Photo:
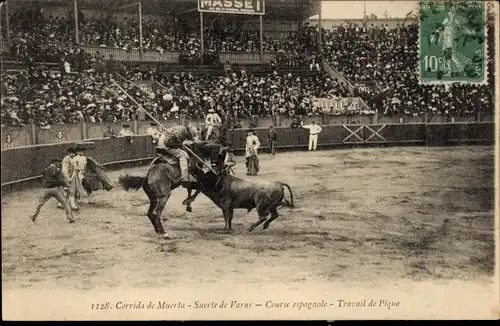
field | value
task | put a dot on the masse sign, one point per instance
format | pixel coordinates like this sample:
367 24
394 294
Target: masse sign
248 7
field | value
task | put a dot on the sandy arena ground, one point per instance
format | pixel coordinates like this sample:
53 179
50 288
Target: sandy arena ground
362 215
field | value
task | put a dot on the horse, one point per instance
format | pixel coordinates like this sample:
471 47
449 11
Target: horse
162 177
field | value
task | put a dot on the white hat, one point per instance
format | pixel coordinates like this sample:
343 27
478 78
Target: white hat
211 110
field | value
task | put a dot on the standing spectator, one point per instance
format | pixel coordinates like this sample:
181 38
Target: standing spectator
227 68
271 139
212 120
314 130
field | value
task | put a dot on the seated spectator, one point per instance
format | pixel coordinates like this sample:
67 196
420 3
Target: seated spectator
126 131
109 133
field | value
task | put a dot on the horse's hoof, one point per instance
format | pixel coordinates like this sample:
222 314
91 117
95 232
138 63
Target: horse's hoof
189 209
69 221
166 237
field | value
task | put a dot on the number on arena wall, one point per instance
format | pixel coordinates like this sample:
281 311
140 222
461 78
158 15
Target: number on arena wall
8 138
60 135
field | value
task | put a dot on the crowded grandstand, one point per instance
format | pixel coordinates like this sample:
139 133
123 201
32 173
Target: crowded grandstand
49 78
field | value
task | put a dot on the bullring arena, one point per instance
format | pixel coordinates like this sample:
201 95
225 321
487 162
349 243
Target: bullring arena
362 215
396 205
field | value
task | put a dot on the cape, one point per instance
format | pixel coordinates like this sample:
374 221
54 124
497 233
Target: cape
98 170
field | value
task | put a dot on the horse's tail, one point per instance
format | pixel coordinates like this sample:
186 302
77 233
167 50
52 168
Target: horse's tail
131 182
287 203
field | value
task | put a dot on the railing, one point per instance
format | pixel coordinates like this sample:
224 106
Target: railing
26 163
334 73
133 55
245 57
165 57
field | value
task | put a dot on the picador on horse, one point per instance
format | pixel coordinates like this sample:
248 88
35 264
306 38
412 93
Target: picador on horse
171 146
178 150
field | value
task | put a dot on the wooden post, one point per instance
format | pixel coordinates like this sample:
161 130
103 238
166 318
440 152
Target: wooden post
261 28
141 50
83 130
320 41
202 37
75 8
7 23
34 138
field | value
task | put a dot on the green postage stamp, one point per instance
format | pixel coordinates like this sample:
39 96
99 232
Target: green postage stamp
452 40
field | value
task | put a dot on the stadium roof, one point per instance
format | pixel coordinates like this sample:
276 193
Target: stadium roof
276 9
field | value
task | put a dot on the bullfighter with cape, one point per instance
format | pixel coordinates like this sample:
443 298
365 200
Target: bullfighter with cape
252 161
91 174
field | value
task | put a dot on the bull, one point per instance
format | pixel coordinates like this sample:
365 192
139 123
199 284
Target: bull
229 193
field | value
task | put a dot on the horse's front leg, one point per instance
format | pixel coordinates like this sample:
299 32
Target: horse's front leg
191 199
185 201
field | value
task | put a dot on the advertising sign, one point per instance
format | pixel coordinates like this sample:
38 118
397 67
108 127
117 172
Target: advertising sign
337 106
247 7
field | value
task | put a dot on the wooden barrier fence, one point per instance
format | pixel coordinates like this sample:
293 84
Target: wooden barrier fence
22 164
34 135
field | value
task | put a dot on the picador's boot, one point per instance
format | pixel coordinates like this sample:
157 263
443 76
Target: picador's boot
186 180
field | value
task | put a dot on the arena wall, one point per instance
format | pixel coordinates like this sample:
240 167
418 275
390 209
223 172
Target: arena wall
34 135
24 164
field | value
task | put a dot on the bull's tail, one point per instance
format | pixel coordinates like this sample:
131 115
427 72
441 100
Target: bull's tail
287 203
131 182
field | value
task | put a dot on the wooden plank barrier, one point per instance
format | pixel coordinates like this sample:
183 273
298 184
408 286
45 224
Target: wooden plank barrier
25 163
20 164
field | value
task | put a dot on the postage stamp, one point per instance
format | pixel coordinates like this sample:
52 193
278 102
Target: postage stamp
452 44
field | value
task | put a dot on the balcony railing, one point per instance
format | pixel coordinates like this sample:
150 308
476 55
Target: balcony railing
165 57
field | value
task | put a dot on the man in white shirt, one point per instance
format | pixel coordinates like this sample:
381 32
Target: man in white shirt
125 131
314 130
80 165
154 132
252 161
211 120
68 172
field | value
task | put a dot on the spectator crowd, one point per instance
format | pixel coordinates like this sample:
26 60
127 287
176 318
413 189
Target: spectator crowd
380 63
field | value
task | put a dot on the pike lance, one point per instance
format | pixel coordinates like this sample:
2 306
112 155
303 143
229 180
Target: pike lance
164 128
